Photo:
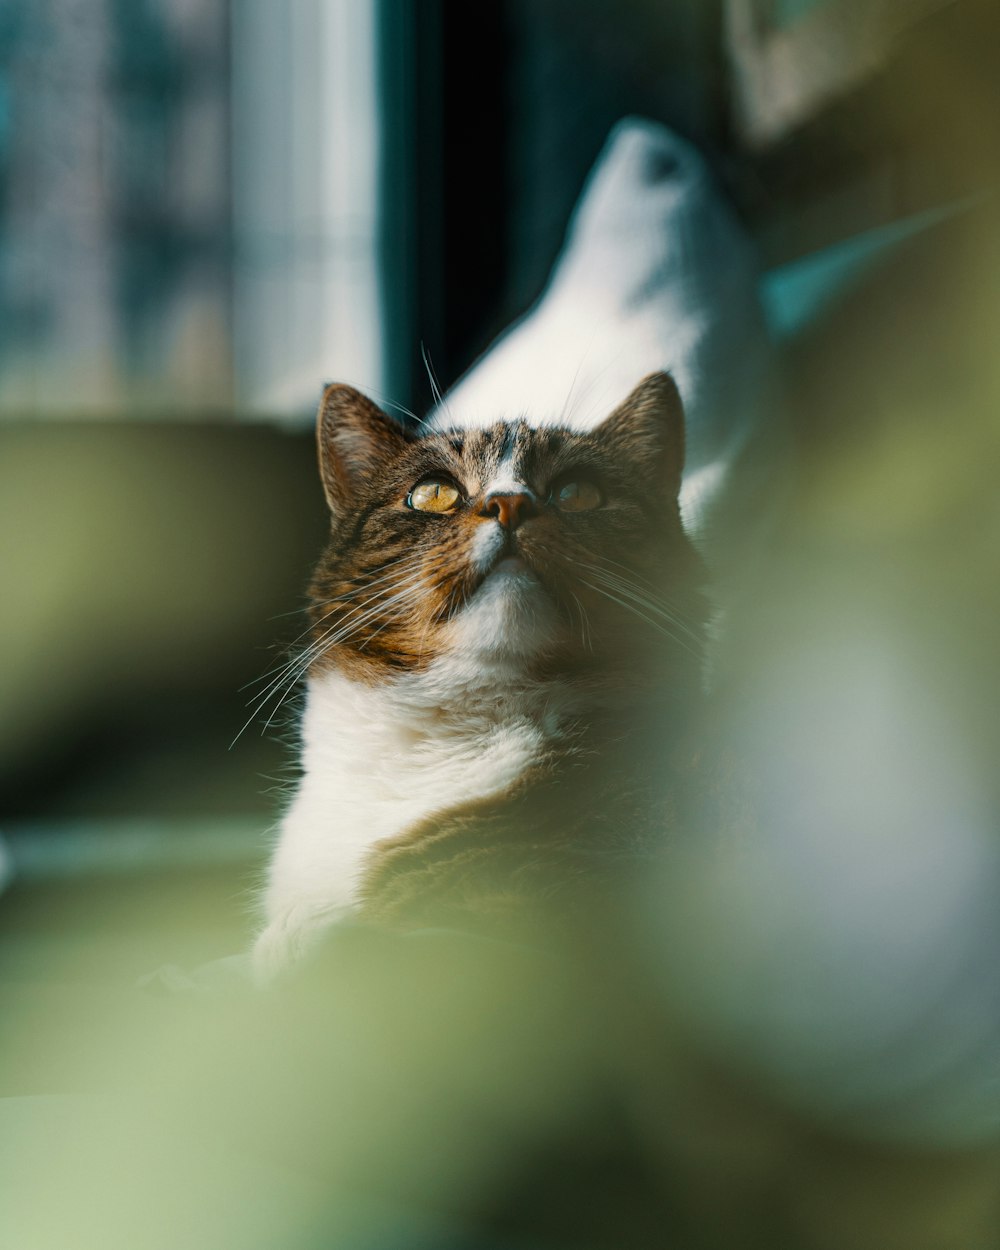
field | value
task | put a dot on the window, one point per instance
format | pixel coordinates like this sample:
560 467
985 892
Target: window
189 207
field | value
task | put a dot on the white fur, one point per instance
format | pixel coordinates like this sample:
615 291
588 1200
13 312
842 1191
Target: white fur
379 758
509 619
505 480
487 542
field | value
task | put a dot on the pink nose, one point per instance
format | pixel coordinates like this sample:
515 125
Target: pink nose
510 510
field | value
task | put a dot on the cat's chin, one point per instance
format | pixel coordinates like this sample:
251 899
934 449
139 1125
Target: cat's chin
510 614
511 565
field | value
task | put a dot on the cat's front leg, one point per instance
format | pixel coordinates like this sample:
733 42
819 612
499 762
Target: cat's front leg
291 932
309 887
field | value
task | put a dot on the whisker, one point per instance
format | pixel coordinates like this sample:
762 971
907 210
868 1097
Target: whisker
436 391
340 600
368 585
333 637
385 402
410 594
585 638
431 375
405 591
585 356
402 591
650 601
630 607
321 603
337 599
434 575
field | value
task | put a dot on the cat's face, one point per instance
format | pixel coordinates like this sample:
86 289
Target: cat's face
506 542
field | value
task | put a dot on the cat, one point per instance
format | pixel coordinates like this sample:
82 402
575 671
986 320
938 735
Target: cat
507 637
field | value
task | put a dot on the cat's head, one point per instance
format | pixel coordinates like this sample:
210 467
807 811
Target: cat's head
509 542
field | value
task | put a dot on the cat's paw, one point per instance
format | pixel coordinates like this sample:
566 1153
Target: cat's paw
285 942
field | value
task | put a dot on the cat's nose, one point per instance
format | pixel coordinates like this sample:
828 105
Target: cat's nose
510 509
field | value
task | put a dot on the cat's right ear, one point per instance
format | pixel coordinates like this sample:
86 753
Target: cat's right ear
354 438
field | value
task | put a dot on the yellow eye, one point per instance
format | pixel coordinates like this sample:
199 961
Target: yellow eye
579 496
433 495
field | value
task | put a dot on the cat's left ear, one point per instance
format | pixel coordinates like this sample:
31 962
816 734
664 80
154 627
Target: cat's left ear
354 439
648 428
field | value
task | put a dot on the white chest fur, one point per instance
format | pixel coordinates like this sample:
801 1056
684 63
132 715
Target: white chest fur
377 759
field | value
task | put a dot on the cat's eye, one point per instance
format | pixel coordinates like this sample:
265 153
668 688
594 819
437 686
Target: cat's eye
578 496
434 494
